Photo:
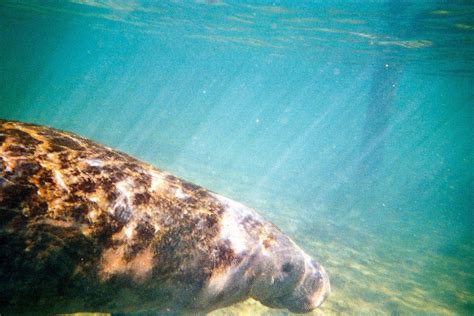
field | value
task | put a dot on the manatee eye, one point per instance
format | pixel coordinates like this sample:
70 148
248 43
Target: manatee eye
287 267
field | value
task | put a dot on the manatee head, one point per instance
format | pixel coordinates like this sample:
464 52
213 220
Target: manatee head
272 269
288 278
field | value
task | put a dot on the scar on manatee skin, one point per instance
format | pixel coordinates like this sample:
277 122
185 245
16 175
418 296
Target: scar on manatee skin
122 213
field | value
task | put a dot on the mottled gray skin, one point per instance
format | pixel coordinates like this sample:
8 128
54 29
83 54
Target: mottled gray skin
87 228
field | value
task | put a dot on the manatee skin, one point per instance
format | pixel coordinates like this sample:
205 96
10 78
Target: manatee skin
84 228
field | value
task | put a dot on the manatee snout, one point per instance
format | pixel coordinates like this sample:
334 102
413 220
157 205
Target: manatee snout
311 292
290 279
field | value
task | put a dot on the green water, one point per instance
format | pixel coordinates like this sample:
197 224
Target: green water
349 125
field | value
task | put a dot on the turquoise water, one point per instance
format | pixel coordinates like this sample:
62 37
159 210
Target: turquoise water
349 125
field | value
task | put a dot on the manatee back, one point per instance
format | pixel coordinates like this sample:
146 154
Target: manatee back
82 222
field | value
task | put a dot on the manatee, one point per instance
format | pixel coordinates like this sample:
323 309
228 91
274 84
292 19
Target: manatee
84 228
